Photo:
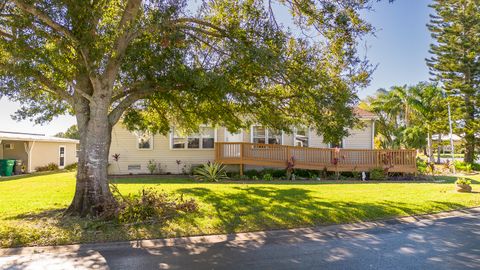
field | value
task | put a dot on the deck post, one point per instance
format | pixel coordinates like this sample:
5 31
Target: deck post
241 158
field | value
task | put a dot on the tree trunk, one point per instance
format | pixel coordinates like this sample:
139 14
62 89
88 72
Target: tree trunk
429 147
92 195
439 147
469 148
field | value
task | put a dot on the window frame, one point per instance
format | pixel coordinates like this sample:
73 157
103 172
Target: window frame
172 137
137 136
309 131
267 133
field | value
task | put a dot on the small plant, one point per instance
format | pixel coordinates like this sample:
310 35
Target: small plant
377 174
463 181
267 177
49 167
152 166
255 178
211 172
463 185
71 167
178 165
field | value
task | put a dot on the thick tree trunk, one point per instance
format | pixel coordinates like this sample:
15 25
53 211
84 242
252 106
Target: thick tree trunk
92 195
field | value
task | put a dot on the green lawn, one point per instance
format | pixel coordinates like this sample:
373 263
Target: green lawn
31 207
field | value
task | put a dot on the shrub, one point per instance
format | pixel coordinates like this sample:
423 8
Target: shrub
149 206
466 167
421 165
211 172
251 173
49 167
71 167
267 177
463 181
274 173
377 174
152 166
255 178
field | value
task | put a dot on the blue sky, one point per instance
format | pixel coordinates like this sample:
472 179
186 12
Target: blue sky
399 47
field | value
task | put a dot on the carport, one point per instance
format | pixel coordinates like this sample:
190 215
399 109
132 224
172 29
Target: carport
36 150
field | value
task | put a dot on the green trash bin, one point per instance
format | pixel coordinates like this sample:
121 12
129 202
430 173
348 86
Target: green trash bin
6 167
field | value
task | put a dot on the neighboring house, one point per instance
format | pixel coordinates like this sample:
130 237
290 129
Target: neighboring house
136 149
37 150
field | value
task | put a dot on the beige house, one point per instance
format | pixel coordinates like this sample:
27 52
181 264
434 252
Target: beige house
37 150
175 152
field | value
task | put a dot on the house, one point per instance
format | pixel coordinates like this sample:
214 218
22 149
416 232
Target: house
35 150
176 153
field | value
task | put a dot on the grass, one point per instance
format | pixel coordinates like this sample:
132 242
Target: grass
31 207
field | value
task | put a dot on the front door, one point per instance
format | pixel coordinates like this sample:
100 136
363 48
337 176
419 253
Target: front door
61 162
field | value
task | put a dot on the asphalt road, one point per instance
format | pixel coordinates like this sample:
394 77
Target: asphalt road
440 243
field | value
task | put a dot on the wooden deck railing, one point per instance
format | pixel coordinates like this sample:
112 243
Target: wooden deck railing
332 159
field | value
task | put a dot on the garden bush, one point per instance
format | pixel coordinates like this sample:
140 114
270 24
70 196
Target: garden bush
71 167
49 167
378 174
267 177
466 167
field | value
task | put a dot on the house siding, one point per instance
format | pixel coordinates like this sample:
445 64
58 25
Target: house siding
124 143
360 138
44 153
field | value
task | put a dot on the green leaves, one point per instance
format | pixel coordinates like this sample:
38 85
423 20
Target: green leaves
176 63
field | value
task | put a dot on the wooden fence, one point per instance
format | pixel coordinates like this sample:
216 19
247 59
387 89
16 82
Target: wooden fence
331 159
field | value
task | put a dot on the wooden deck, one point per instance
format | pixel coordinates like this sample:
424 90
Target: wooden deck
342 160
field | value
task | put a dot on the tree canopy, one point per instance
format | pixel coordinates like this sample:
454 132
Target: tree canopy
455 63
164 63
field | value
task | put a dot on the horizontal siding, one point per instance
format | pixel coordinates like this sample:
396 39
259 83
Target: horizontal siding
125 143
44 153
360 138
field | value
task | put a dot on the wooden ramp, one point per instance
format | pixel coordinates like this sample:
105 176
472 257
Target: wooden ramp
332 159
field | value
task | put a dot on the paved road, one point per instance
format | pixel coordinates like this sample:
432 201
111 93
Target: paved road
441 243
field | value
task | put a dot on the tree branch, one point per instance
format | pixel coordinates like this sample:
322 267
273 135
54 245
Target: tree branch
122 42
117 112
46 20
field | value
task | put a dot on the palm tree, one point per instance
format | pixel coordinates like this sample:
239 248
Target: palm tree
429 108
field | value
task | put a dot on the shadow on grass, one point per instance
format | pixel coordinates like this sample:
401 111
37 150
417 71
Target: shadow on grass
452 179
263 208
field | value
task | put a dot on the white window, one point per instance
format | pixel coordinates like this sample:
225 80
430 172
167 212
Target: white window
301 137
258 134
205 139
261 134
144 140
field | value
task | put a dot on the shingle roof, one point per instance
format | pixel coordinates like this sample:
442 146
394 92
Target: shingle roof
364 113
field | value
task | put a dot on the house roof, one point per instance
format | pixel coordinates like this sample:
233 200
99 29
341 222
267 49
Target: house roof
19 136
364 113
455 137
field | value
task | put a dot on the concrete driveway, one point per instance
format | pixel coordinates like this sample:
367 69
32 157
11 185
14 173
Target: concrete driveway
445 241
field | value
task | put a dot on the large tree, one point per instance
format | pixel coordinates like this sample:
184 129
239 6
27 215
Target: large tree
455 63
161 63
